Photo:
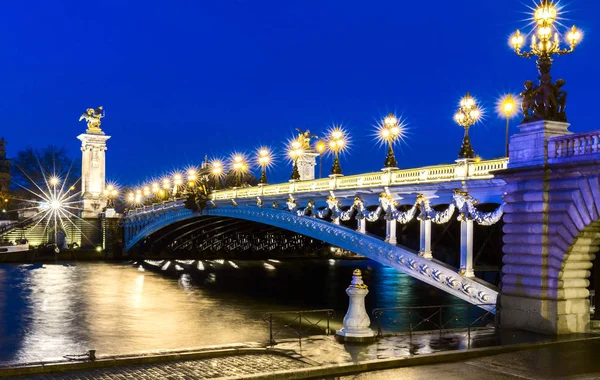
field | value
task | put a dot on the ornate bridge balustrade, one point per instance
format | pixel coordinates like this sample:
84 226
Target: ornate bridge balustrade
463 170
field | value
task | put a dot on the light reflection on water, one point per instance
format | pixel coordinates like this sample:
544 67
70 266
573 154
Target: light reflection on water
55 310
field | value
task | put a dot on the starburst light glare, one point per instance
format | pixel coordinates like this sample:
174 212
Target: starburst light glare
336 143
216 170
240 167
264 160
468 114
389 131
507 107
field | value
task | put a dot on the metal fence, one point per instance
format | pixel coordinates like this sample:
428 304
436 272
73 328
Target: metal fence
298 324
433 318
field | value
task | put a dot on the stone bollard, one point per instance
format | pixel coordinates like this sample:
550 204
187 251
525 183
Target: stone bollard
356 322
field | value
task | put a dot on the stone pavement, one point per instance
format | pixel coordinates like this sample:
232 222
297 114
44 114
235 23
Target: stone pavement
570 360
226 366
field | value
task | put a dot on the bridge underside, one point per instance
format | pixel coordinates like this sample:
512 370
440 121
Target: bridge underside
181 229
210 236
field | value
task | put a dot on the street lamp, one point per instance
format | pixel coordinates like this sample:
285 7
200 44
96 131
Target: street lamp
336 142
240 167
110 192
390 130
177 182
155 189
166 185
467 115
216 170
295 152
192 177
545 101
320 148
507 107
264 160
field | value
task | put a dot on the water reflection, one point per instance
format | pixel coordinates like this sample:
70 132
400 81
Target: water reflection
54 310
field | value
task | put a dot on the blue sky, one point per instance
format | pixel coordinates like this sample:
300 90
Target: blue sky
182 79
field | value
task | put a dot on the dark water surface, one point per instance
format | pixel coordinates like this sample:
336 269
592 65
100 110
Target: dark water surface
54 310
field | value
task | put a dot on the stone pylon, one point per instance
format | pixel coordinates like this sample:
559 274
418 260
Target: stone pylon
357 322
93 172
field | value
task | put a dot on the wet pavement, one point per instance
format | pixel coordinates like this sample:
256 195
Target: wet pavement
570 360
325 350
228 366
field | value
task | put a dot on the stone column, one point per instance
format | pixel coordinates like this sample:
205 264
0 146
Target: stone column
425 239
306 165
466 248
356 322
361 225
390 231
93 176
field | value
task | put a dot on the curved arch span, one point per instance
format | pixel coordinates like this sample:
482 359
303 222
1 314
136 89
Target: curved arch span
407 261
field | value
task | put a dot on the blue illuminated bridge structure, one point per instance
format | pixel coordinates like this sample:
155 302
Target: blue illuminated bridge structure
534 215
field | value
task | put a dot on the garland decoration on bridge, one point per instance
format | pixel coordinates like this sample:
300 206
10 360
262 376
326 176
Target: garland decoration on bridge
428 213
388 204
467 210
461 201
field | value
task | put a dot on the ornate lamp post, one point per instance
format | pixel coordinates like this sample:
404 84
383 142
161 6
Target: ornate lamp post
264 160
240 167
508 108
155 190
295 152
216 170
166 185
138 196
320 148
110 192
390 131
177 182
467 115
546 101
192 177
336 143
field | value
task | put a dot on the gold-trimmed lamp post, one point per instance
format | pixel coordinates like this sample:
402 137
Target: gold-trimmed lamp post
320 147
166 185
264 160
192 177
216 170
508 108
240 167
295 152
155 190
110 192
177 182
468 114
390 131
546 101
336 143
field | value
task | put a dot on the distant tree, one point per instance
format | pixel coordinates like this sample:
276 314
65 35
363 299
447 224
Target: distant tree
32 168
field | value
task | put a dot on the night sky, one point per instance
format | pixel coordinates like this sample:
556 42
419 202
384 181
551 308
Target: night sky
181 79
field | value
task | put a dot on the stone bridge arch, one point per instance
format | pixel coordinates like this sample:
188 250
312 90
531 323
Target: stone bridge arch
552 235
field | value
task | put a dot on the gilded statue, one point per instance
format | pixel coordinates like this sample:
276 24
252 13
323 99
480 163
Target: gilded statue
304 137
92 117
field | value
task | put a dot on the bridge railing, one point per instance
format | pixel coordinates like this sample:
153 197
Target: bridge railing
298 324
573 146
442 318
439 173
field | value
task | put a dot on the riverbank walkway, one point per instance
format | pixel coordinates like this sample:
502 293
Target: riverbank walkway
453 355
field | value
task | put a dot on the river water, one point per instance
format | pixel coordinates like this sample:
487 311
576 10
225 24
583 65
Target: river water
62 309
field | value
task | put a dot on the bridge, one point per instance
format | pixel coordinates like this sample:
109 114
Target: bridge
547 193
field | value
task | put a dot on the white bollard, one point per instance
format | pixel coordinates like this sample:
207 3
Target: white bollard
357 322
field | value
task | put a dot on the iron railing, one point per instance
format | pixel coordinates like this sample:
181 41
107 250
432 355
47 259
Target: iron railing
437 318
298 324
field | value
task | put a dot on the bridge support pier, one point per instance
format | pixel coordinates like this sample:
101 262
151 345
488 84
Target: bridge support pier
425 239
466 248
551 231
390 231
